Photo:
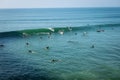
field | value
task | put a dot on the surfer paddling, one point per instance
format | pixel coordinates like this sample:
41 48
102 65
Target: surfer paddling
47 48
2 45
100 30
75 33
40 37
27 43
92 46
30 51
54 60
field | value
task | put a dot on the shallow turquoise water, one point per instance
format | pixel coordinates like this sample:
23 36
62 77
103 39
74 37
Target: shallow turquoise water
72 52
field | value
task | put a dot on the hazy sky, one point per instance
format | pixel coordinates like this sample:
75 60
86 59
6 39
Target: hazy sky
58 3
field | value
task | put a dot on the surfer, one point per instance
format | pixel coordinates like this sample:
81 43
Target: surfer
40 37
49 37
61 32
25 34
100 30
84 33
30 51
27 43
92 46
69 28
47 48
54 60
75 33
50 33
2 45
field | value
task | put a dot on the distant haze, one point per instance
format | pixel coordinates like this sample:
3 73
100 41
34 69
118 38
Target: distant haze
58 3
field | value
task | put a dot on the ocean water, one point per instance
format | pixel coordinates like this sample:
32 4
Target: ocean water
19 19
60 44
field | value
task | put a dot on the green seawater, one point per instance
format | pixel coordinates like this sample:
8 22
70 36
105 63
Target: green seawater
78 54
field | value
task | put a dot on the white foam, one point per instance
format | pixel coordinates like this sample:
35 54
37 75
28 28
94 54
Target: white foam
51 29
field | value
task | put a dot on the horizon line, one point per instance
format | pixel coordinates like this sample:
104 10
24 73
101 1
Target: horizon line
59 7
